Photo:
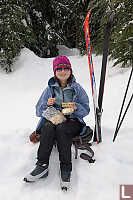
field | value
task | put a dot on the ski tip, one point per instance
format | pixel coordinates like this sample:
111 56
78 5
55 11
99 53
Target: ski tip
88 14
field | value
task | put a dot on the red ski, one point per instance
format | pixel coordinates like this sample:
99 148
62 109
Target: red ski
97 132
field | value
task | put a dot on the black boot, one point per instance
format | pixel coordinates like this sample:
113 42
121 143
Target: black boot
65 176
40 171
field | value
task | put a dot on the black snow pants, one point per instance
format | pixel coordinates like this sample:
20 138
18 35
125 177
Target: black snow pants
62 134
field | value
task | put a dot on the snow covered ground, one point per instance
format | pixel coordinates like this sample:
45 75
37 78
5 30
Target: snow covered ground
19 93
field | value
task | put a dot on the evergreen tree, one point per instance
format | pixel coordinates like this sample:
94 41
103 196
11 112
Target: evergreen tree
61 22
121 45
69 22
122 36
41 15
14 31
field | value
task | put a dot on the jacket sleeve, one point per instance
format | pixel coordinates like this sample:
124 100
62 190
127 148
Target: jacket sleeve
81 103
42 103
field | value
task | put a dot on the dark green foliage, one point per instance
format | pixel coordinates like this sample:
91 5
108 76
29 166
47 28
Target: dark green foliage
41 16
62 22
122 36
14 31
121 44
40 25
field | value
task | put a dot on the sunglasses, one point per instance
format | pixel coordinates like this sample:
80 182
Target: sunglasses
61 69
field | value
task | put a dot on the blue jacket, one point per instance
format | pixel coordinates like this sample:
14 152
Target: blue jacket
80 98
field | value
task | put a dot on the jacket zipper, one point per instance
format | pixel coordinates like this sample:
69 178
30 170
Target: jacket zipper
62 94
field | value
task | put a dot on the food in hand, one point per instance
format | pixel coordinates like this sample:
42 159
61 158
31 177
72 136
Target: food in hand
67 111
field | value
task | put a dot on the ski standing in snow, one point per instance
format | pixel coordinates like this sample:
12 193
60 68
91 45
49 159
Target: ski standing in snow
98 99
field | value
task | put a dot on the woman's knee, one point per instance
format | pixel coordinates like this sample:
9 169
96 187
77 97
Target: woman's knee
61 128
63 132
48 128
47 124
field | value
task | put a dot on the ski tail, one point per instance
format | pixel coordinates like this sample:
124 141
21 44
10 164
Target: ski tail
92 76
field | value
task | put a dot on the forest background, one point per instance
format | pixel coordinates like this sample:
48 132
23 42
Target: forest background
43 25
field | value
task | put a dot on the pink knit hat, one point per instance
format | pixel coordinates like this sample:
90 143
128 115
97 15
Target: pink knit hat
61 62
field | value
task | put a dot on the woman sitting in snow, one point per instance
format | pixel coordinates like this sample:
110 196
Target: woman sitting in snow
63 104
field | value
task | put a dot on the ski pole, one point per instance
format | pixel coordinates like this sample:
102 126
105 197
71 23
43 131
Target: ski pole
125 113
120 122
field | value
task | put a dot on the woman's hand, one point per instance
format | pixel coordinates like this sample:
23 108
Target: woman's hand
73 106
51 101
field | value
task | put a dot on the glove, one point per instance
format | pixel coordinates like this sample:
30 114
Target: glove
34 137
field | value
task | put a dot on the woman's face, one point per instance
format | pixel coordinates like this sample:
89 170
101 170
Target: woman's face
63 74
